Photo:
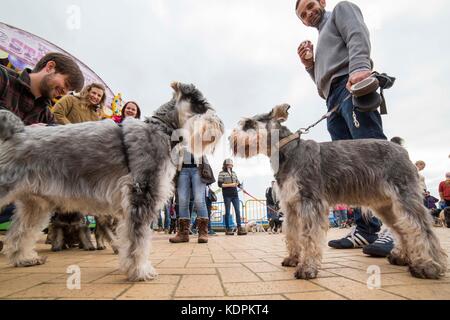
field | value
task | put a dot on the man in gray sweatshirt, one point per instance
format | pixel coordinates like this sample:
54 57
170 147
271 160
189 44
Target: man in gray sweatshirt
342 58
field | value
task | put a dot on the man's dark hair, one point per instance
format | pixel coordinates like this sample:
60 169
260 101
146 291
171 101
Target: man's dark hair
64 65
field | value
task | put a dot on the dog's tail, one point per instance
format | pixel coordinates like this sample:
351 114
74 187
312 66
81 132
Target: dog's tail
10 124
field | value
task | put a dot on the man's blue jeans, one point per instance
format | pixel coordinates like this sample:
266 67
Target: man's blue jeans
341 123
189 179
236 204
7 213
341 127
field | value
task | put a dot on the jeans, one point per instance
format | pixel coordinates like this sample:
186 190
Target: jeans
189 179
166 216
341 127
7 213
208 207
340 124
341 216
237 210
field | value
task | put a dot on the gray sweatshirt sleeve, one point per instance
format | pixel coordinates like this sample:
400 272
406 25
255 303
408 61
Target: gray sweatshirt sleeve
350 24
311 72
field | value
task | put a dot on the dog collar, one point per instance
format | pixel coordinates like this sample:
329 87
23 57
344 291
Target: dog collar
287 140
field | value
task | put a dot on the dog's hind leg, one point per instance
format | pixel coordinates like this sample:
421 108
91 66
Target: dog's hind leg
313 225
418 246
31 216
135 240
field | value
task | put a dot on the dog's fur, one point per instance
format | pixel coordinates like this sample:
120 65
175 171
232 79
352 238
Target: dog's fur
314 176
69 230
105 229
83 167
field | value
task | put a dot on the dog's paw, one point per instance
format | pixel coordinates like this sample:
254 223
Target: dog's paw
101 247
56 249
289 262
306 272
427 270
143 274
31 262
398 260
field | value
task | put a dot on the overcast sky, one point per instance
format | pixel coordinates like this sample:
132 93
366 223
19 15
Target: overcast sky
242 55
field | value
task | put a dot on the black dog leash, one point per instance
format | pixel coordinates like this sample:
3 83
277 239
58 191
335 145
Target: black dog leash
301 131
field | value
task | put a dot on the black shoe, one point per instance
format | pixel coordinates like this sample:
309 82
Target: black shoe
1 246
229 232
355 239
382 247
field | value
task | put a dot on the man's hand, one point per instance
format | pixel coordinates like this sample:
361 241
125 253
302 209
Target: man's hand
303 49
358 77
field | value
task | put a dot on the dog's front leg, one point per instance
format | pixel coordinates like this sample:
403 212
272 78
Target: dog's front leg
313 225
85 238
58 240
291 236
31 216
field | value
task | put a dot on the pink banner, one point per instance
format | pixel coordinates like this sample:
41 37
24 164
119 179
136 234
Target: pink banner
26 49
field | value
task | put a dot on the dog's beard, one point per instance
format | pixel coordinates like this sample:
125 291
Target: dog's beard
204 133
250 143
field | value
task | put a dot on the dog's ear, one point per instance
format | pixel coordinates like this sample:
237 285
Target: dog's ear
280 112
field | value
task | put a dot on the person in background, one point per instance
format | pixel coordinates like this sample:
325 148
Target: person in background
342 59
130 109
444 190
420 165
83 107
189 182
229 183
29 94
210 198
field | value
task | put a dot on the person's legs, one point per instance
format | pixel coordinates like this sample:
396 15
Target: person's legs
199 187
227 203
166 216
337 217
370 124
7 213
237 210
368 225
184 195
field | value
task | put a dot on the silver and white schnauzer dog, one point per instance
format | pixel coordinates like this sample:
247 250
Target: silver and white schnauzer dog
314 176
101 168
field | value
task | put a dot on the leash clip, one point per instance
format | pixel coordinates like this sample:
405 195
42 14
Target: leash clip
355 120
303 131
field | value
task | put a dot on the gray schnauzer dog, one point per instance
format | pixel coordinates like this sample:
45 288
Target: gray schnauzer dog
100 167
67 230
314 176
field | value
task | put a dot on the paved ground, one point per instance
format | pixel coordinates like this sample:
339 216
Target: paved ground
247 267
